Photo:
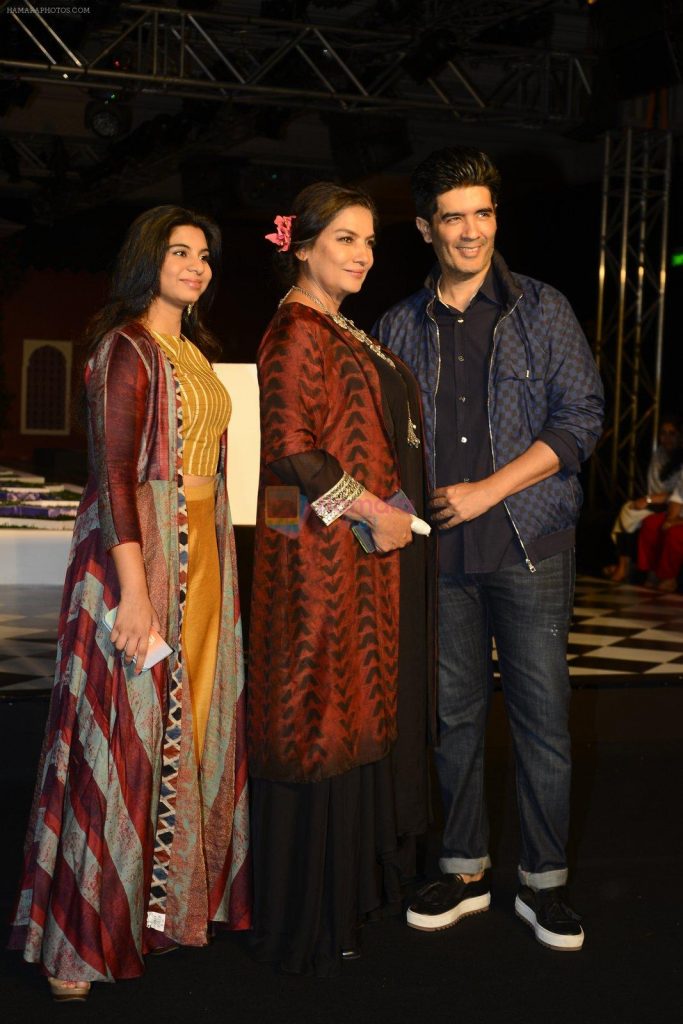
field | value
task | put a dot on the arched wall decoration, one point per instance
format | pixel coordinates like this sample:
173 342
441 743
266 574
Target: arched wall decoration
46 387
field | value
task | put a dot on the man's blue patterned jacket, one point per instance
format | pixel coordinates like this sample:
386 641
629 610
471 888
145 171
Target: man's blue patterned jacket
542 378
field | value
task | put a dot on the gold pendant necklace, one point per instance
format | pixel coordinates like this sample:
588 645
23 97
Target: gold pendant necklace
348 325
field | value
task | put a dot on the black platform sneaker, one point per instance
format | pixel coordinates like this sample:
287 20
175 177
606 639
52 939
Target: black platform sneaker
441 904
554 922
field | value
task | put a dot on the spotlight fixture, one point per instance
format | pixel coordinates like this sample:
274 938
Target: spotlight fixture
107 118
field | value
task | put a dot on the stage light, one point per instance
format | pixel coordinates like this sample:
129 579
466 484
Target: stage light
107 118
677 259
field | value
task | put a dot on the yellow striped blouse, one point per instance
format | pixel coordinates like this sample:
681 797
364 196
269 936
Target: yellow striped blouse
205 403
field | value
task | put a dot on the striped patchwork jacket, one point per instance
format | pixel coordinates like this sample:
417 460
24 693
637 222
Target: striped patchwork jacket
542 377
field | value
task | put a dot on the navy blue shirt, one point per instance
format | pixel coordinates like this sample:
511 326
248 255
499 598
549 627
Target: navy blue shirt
463 448
463 444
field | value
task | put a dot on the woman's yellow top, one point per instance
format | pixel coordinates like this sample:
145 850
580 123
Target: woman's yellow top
205 403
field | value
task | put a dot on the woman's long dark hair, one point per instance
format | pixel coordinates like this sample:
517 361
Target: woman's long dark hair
135 278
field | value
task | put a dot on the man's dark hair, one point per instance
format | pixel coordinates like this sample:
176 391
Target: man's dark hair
455 167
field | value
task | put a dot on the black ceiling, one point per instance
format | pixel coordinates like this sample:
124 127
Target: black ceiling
134 100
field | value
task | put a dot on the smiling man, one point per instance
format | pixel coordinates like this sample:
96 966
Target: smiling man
512 405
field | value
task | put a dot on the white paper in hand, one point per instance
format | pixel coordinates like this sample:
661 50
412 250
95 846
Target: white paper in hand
157 650
418 525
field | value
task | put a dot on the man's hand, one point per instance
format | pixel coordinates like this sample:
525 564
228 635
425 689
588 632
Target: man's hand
458 503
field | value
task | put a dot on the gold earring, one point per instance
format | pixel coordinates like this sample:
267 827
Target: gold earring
190 307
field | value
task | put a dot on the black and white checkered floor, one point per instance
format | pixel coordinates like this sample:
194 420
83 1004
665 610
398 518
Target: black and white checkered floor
621 636
625 635
28 639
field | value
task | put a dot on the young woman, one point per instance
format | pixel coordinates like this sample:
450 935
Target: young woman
338 650
138 834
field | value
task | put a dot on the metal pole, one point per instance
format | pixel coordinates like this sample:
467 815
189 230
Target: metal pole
623 276
663 250
600 312
600 315
644 184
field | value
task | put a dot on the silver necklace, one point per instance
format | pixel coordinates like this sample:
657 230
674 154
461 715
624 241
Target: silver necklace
348 325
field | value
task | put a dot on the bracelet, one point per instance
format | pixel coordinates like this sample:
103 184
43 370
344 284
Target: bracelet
334 503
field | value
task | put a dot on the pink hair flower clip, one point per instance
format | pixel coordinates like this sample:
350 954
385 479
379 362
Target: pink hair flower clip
282 237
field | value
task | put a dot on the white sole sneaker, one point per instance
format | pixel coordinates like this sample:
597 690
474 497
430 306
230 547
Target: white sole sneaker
552 940
437 922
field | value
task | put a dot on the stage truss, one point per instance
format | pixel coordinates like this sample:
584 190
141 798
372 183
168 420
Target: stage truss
630 315
445 69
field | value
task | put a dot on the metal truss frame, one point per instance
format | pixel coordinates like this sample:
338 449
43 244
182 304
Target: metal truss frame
630 314
243 59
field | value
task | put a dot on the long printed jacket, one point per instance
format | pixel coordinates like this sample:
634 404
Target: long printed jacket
123 823
542 375
323 652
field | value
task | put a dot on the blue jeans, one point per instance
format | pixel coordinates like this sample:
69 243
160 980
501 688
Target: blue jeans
528 614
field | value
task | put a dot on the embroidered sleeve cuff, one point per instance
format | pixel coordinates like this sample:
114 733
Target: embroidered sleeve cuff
334 503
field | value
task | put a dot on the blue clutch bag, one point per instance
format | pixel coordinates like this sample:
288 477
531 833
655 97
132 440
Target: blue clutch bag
362 531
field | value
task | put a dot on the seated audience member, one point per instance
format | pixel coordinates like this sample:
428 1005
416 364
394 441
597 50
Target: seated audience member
664 473
660 545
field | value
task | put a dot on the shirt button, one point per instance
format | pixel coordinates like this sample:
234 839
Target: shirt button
461 359
461 398
465 479
464 440
460 320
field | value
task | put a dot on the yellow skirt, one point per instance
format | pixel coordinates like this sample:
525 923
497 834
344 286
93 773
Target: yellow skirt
201 621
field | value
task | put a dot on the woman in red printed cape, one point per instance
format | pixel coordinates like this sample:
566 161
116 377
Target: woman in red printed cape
338 646
138 836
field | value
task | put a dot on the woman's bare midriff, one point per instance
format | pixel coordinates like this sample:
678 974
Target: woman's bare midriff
190 480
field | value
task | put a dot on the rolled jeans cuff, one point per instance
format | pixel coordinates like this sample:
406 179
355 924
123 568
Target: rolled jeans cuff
463 865
543 879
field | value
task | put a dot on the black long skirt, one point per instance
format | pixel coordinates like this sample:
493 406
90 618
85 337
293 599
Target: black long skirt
329 855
